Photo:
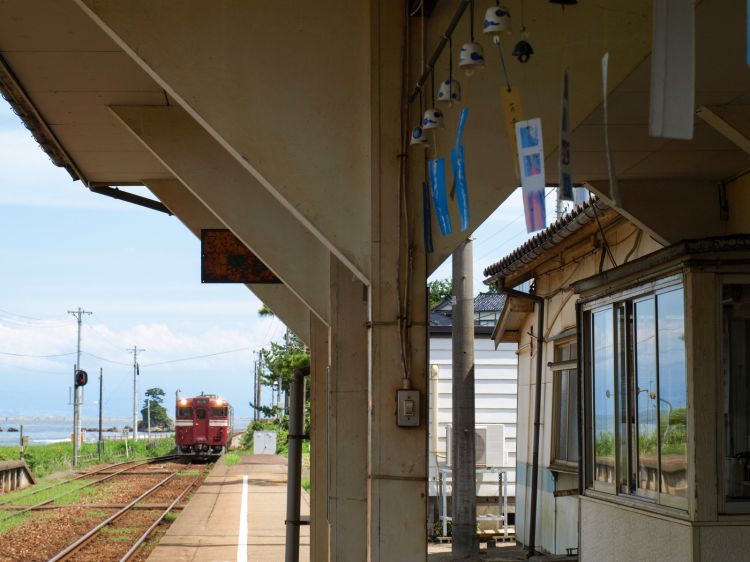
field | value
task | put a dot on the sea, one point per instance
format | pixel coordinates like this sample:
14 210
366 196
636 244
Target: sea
43 430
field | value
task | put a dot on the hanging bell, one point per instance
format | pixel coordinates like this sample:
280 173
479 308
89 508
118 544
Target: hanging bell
433 119
450 90
471 57
523 51
496 21
418 136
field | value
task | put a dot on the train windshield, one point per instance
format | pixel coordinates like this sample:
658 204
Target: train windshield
201 414
186 412
219 412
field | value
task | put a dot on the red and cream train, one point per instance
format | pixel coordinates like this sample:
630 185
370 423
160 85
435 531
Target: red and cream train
203 425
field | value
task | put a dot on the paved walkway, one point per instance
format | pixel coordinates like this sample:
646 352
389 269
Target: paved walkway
217 525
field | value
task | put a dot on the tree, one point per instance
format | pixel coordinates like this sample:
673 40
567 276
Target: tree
437 290
265 311
159 416
277 368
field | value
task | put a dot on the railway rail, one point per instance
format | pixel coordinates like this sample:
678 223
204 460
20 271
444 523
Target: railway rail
108 476
75 547
120 522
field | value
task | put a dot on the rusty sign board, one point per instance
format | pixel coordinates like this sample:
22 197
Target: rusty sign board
225 259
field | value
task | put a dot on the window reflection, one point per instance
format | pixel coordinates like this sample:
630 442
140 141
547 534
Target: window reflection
604 397
646 411
672 393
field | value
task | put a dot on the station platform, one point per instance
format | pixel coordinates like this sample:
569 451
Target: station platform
237 514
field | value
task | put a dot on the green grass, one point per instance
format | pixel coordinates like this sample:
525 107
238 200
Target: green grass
118 534
71 489
306 483
190 472
54 457
96 514
170 517
12 522
231 458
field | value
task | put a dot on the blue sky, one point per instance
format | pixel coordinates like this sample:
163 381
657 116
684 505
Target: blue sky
138 271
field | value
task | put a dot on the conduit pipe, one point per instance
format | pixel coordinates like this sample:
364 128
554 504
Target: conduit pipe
435 375
539 301
294 467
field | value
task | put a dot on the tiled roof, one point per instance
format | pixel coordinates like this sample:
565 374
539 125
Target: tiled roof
484 302
555 233
489 302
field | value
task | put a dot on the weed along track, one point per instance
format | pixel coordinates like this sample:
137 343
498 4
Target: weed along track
117 515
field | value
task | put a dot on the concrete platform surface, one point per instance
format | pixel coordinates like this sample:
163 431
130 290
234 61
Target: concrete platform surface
218 526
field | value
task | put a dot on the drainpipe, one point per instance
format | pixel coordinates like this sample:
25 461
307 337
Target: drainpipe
537 408
294 467
435 372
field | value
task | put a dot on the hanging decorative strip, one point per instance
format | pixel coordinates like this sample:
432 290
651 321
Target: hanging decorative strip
531 163
458 163
427 218
672 106
436 171
566 180
614 191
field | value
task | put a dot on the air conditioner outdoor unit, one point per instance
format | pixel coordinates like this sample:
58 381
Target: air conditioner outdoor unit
489 445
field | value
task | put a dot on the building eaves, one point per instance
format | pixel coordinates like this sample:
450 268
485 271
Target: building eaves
547 239
12 91
489 302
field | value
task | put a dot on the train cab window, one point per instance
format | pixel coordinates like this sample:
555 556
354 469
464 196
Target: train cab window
201 414
220 412
186 412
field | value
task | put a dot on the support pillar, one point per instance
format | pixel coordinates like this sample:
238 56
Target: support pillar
398 336
319 360
347 417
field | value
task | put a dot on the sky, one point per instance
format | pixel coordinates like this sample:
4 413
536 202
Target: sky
138 272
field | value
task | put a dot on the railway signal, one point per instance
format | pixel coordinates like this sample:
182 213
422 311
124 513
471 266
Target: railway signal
81 378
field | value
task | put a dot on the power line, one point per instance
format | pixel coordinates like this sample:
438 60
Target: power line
37 356
200 356
105 359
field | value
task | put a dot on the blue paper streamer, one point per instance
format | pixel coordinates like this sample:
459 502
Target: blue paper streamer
436 170
458 163
427 218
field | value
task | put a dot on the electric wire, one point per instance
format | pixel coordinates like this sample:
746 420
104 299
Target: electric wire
227 352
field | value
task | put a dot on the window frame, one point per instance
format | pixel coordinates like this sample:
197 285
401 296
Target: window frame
726 507
556 367
619 301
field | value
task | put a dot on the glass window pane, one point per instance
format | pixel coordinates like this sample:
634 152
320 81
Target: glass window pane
604 396
672 392
646 411
573 416
200 414
736 351
562 416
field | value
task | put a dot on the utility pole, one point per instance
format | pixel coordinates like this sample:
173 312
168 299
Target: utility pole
77 390
255 388
148 417
136 370
463 459
101 394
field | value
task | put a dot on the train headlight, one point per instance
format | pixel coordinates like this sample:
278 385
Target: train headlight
219 402
183 402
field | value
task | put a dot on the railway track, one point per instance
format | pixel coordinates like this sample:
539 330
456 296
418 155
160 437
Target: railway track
121 521
81 543
108 476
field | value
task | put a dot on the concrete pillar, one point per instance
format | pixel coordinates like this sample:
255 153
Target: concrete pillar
398 455
347 417
319 360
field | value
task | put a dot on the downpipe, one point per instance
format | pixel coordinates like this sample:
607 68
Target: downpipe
294 466
539 301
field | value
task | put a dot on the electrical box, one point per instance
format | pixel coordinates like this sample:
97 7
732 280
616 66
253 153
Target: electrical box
407 413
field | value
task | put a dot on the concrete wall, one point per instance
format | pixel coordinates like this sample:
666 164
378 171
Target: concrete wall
495 389
614 533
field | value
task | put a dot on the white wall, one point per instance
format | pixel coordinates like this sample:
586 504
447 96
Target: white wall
496 400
